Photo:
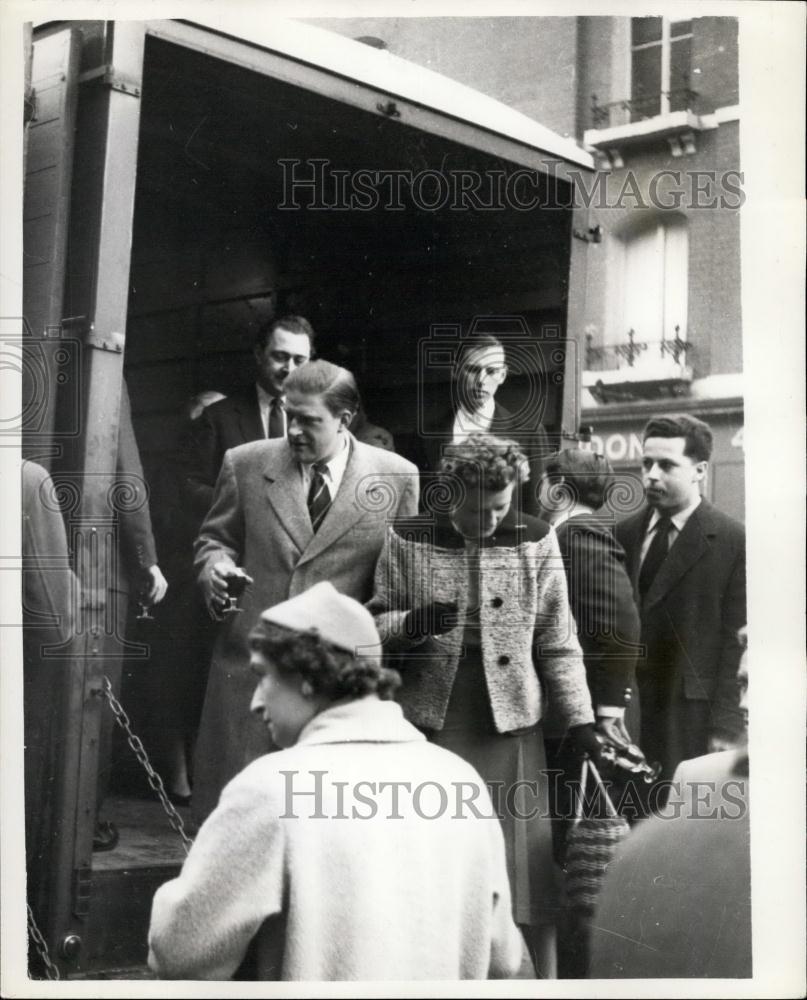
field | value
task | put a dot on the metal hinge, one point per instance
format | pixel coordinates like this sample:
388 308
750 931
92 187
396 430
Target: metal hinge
82 890
108 76
29 108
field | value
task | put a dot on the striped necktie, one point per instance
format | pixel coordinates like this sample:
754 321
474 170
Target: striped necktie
319 497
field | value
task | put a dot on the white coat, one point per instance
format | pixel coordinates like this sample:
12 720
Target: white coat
371 882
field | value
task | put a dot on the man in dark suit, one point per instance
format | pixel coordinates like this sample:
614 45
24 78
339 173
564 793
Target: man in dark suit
288 513
687 563
480 371
251 414
572 491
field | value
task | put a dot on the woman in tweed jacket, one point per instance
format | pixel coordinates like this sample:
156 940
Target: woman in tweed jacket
473 610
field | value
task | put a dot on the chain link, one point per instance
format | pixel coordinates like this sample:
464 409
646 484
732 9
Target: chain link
139 751
41 945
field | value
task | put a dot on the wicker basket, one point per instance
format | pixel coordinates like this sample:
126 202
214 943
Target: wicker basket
590 846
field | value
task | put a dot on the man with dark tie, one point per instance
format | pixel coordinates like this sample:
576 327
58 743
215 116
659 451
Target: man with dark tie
687 564
252 414
288 513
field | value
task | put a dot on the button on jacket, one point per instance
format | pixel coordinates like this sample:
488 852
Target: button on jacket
529 648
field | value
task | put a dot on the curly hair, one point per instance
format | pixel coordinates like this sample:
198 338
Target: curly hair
331 671
485 461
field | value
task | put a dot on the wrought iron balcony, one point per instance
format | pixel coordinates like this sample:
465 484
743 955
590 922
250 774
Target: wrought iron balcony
642 107
643 356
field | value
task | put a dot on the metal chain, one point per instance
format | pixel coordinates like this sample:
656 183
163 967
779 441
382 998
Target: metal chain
41 945
139 751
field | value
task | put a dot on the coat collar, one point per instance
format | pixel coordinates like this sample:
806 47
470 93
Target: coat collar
351 503
361 720
444 425
248 410
514 530
691 545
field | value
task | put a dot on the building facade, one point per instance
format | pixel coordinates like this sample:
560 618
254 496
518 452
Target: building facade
657 100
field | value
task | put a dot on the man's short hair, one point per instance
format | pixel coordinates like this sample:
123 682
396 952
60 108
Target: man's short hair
697 434
330 670
478 342
336 385
294 324
485 461
588 473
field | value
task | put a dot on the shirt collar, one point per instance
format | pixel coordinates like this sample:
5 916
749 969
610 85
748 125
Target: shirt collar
335 467
265 398
478 420
678 520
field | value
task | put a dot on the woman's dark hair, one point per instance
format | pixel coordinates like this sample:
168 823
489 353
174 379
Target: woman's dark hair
485 461
331 671
588 474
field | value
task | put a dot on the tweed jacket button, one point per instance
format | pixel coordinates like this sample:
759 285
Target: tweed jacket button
503 661
497 602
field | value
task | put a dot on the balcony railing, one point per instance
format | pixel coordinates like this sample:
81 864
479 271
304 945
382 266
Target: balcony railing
642 107
640 357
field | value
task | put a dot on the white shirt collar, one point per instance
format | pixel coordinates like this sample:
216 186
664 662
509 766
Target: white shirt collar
678 520
265 405
466 423
334 469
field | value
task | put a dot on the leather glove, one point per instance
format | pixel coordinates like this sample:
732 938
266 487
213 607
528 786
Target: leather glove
612 732
585 742
436 618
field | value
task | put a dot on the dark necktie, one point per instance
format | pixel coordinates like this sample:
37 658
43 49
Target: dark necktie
319 497
656 554
276 428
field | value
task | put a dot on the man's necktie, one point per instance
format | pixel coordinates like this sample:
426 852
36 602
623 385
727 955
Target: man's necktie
656 555
319 497
276 425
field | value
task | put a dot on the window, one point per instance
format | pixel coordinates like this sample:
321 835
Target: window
661 51
655 284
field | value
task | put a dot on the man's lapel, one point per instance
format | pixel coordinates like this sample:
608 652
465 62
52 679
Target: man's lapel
501 424
249 416
690 546
285 493
348 506
631 535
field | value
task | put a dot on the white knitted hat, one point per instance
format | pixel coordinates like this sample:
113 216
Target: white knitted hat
338 619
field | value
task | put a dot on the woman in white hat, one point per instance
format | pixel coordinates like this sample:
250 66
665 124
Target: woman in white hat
472 603
359 851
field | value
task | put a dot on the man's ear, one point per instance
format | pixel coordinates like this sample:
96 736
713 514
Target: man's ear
503 375
305 689
700 471
346 418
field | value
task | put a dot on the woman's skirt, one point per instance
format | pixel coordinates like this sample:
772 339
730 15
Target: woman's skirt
514 767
